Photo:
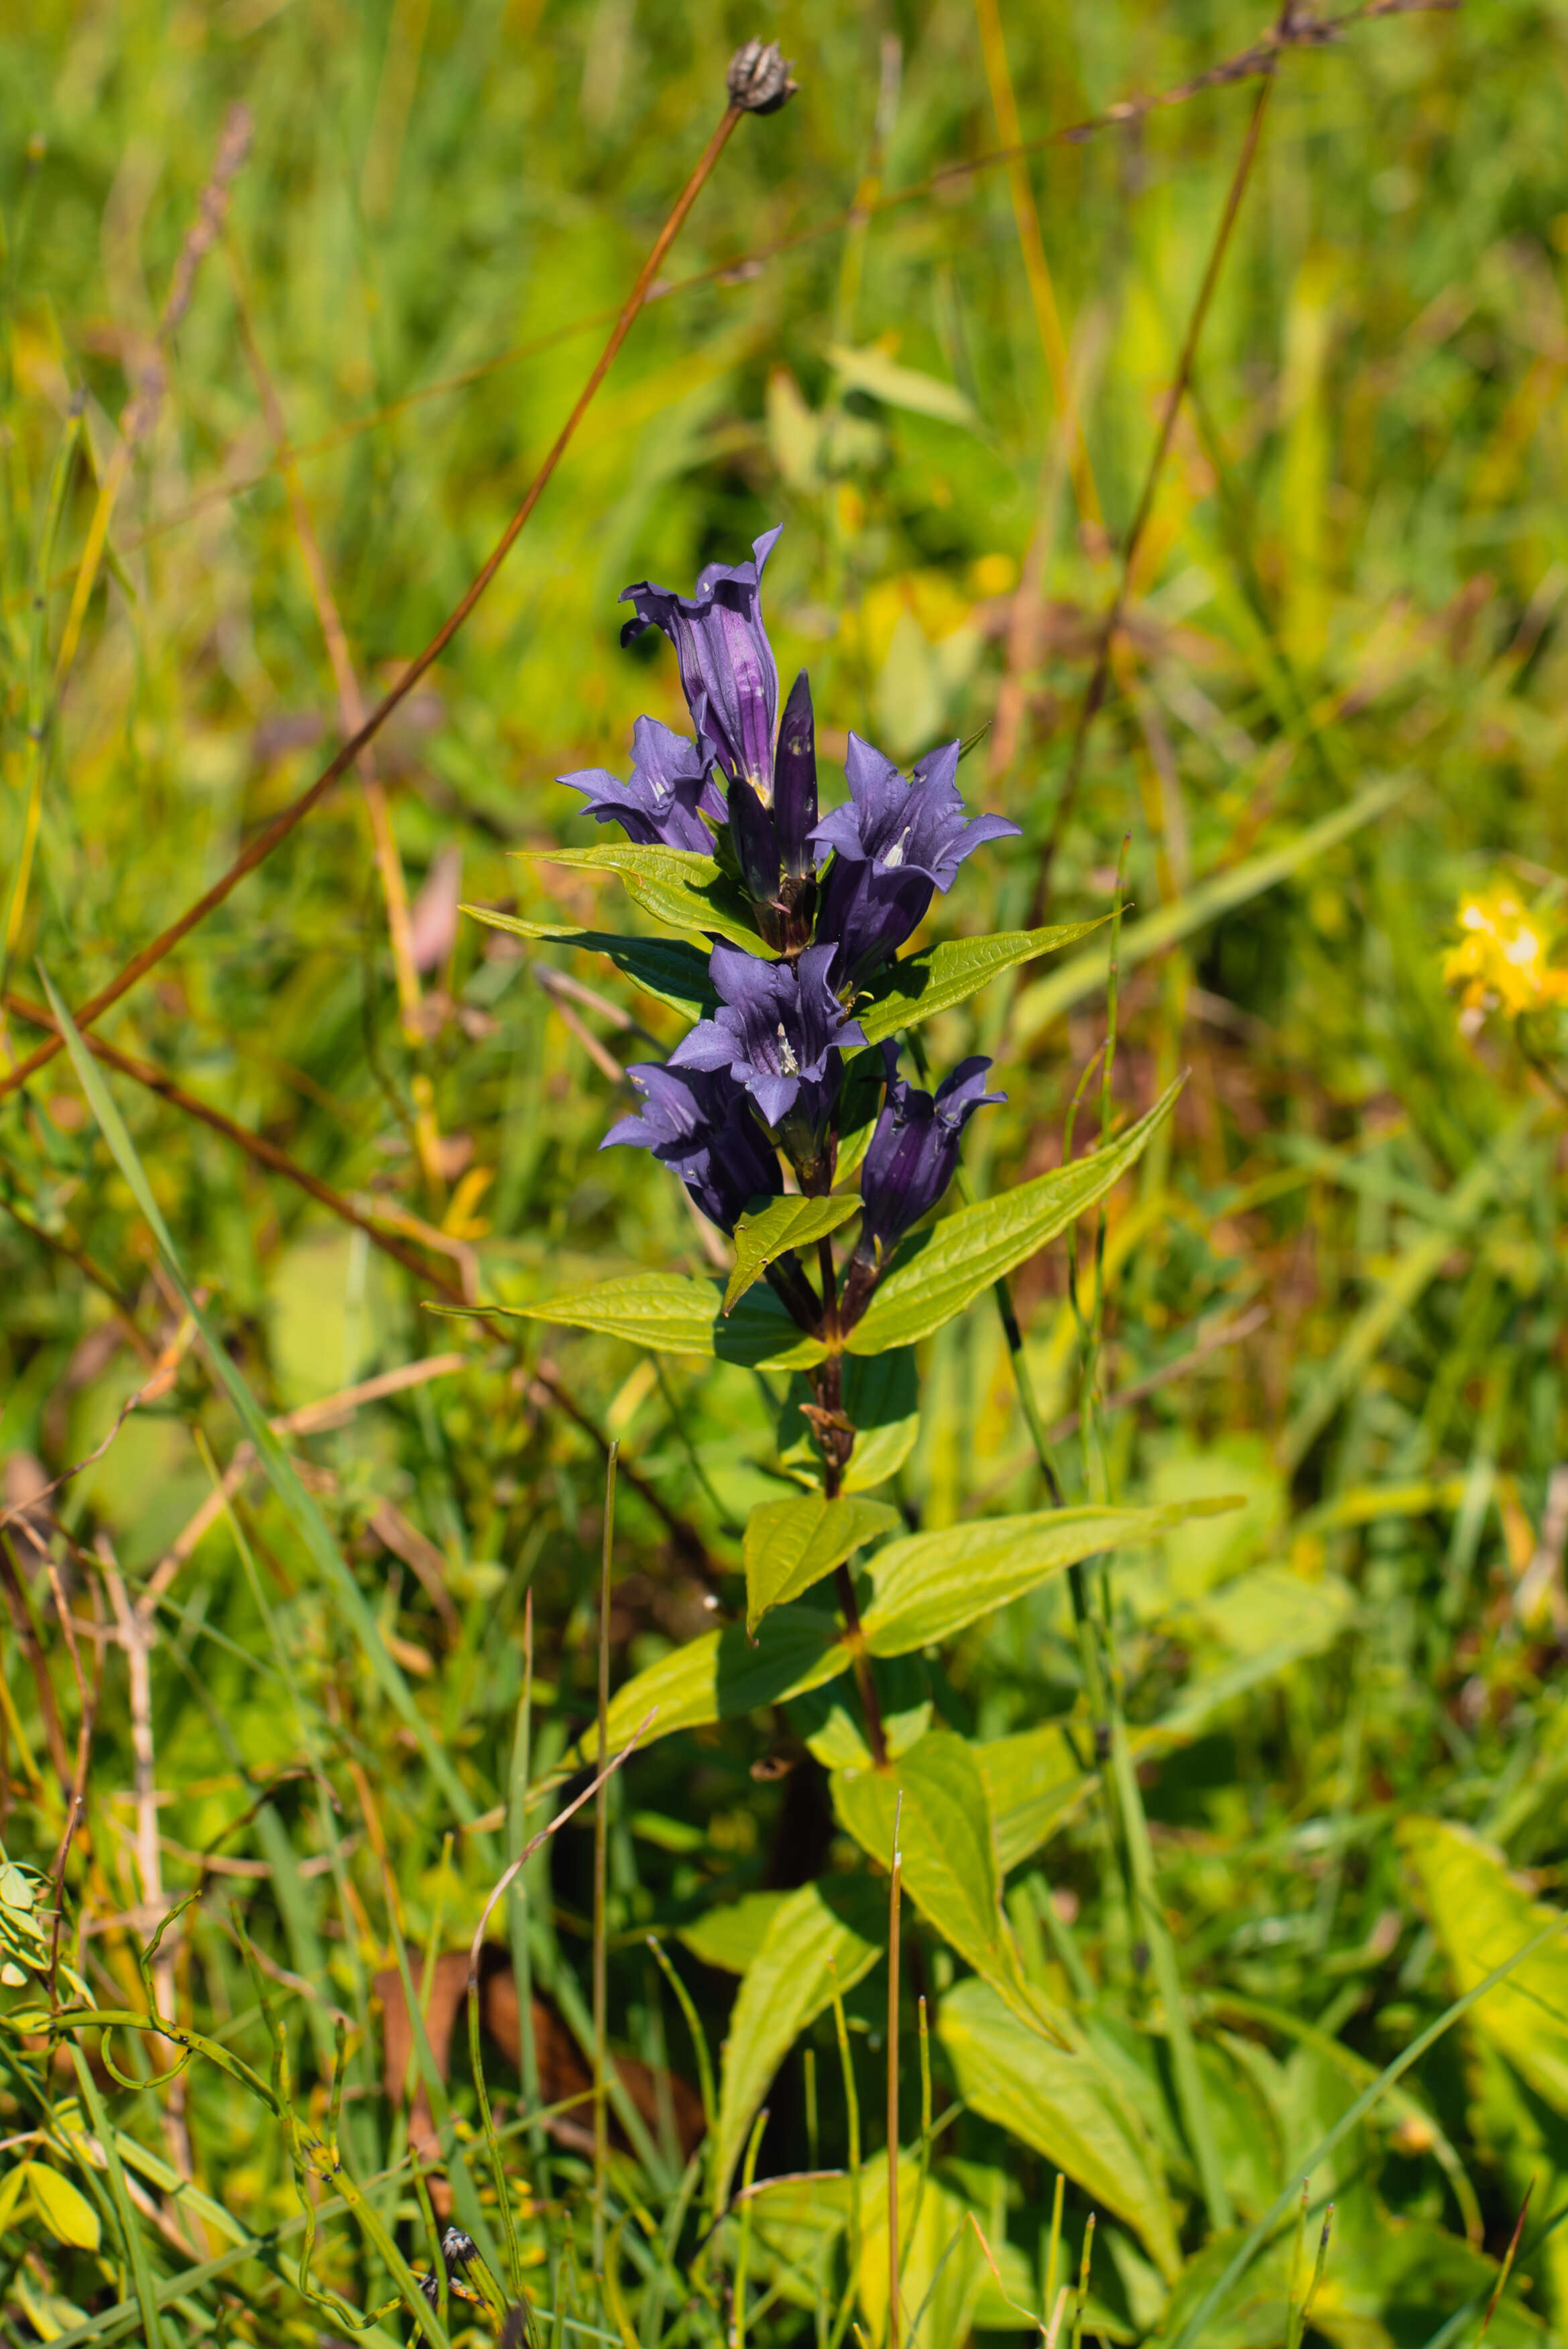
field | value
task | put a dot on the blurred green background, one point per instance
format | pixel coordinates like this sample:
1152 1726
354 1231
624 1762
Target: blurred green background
1340 1288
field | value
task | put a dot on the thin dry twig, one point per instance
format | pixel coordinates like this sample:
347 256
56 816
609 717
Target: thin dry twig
77 1801
135 1625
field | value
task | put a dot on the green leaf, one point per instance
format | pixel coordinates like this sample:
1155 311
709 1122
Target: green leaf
278 1467
1035 1782
950 1868
827 1935
671 1314
790 1545
873 371
1063 2102
721 1674
669 968
965 1253
790 1223
67 2214
730 1935
1480 1916
938 976
678 886
929 1586
13 2186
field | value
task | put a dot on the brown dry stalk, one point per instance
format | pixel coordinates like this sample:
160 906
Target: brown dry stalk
273 834
894 1921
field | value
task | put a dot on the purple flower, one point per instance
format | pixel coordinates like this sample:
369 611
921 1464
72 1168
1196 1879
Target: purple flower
895 844
896 827
777 1031
795 784
913 1152
867 915
728 673
700 1124
671 779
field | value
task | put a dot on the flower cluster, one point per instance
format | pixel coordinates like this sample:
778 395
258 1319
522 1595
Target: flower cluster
1502 961
833 899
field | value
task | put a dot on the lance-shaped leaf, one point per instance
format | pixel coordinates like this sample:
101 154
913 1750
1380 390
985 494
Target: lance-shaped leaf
1480 1916
824 1937
947 1269
1035 1782
790 1545
63 2210
938 976
721 1674
1064 2104
678 886
950 1869
789 1223
670 1314
929 1586
670 968
729 1936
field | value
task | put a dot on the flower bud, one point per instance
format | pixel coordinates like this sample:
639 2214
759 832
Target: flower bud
758 78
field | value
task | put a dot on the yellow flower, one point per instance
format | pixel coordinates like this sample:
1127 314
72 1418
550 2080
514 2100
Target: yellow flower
1500 961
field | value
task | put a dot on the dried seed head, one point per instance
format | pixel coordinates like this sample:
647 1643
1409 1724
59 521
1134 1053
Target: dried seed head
758 78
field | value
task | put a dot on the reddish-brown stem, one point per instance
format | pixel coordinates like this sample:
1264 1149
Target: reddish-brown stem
274 834
844 1582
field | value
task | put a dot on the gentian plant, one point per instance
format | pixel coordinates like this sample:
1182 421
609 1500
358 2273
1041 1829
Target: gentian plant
788 1111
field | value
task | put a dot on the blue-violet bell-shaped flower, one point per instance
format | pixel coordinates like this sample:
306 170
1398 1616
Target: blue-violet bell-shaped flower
700 1125
671 779
729 674
895 844
913 1152
730 679
777 1031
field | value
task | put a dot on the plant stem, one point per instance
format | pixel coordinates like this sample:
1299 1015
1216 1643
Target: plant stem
601 1849
522 1956
844 1583
894 1921
1190 2093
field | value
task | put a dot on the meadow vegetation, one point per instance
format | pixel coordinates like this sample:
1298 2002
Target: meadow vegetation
1091 1847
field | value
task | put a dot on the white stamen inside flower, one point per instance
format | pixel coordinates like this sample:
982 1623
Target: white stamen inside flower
895 853
789 1065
